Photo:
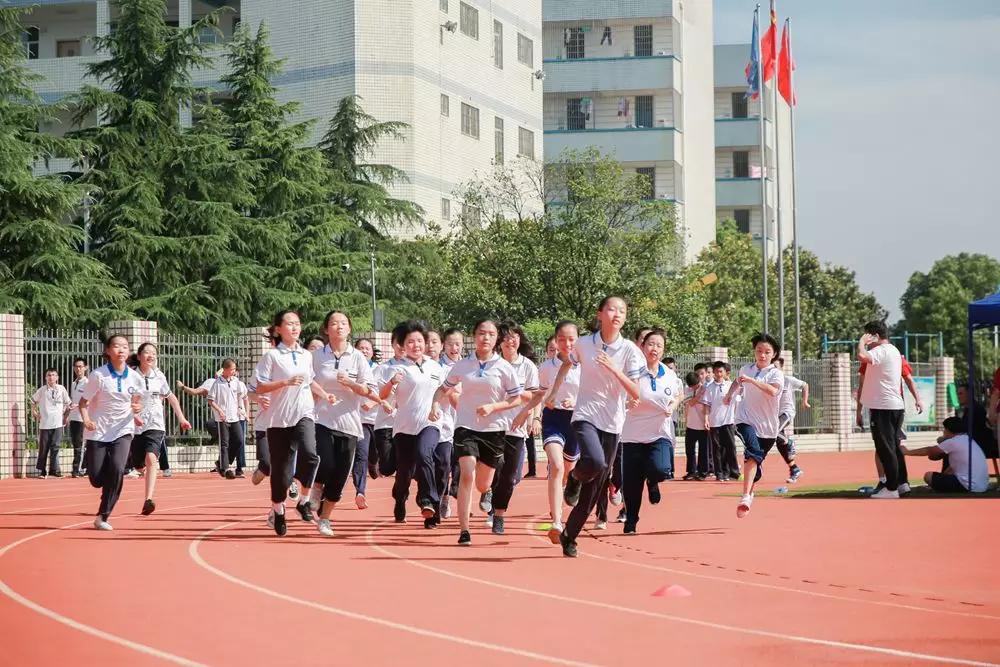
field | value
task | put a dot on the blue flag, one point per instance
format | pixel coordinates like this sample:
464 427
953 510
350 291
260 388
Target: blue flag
753 67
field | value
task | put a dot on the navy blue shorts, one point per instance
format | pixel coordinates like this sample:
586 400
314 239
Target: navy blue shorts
556 428
754 447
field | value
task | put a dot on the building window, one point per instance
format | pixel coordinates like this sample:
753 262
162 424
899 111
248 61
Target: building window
498 44
30 40
498 139
576 117
643 40
445 209
649 176
471 214
740 105
468 20
742 218
470 120
69 48
443 5
573 41
445 105
526 143
644 111
208 35
525 50
741 164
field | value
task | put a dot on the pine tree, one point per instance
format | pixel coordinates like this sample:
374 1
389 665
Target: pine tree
43 274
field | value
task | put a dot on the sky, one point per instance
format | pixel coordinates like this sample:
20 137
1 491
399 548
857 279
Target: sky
897 130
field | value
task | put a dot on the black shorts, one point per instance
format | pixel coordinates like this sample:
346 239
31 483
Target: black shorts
150 442
943 483
486 447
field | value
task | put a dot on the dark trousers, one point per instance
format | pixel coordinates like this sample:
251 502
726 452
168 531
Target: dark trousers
456 475
886 425
442 470
359 474
532 451
263 453
696 451
336 460
76 438
48 448
229 444
241 452
164 461
106 470
381 455
293 454
415 458
724 450
597 453
646 463
509 473
614 479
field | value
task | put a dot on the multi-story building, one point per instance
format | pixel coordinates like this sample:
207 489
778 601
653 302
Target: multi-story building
460 73
634 79
738 167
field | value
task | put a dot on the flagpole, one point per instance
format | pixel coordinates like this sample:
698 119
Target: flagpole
795 199
777 189
763 168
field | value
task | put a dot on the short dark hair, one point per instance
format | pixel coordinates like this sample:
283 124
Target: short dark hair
669 360
654 331
228 363
565 323
780 361
877 328
691 379
451 331
80 359
402 330
524 347
764 337
955 425
700 366
51 370
721 364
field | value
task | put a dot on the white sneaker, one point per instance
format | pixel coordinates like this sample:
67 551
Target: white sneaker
616 498
446 510
101 524
903 488
601 525
489 520
885 493
325 528
168 473
744 507
293 490
134 474
270 519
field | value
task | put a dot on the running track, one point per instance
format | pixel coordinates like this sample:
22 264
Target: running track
203 581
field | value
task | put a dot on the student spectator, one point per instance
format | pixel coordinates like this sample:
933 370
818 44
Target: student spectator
50 405
881 395
955 445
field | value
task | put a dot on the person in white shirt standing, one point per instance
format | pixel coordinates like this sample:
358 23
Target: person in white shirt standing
224 400
722 422
73 419
110 407
759 385
881 395
49 406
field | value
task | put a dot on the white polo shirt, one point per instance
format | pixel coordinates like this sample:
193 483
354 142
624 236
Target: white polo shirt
757 408
52 403
109 402
155 389
786 404
382 375
720 414
415 394
648 421
226 396
289 404
601 399
242 393
527 375
345 414
75 392
570 387
883 377
957 449
491 381
694 412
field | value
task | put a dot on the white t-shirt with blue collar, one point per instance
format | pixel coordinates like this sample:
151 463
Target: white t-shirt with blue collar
289 404
109 402
601 401
648 421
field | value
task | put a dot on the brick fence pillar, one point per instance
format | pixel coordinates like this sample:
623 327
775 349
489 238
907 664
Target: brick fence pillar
839 409
137 331
253 344
713 353
12 392
944 374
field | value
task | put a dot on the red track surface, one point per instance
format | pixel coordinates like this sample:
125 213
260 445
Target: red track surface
204 581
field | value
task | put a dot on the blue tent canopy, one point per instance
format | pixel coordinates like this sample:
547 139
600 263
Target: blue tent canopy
982 313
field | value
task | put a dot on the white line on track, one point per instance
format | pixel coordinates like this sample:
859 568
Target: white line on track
679 619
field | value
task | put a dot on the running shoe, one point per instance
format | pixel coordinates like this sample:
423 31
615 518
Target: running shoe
57 474
373 471
399 511
133 474
41 475
744 507
885 494
361 501
239 474
101 524
688 477
445 512
554 532
74 475
601 525
654 493
168 473
257 477
324 528
489 520
280 527
486 501
464 539
568 546
293 490
427 511
572 492
793 474
629 528
431 522
270 519
497 525
148 507
621 516
304 511
903 489
615 496
230 474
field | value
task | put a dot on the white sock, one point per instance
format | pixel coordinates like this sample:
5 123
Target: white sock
279 508
882 479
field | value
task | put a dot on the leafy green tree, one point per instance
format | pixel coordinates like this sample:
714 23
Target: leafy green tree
42 272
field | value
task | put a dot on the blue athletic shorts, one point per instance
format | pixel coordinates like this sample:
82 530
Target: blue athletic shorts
556 428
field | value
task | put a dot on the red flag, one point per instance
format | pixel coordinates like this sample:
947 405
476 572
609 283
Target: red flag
768 46
785 67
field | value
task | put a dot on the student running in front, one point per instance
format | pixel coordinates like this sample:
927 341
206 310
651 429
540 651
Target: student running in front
359 473
722 422
489 388
110 407
648 434
786 417
343 372
74 420
285 372
224 399
451 353
415 432
759 385
150 437
50 404
610 366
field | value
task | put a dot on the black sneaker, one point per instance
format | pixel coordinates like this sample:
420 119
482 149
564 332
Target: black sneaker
486 501
688 477
280 527
373 472
230 474
497 525
56 474
239 474
621 516
399 511
629 528
568 546
427 511
572 493
304 511
530 473
465 539
74 475
430 522
654 493
148 507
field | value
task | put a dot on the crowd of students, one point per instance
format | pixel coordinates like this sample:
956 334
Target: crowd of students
457 427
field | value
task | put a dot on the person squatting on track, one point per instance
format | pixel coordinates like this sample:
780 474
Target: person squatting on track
110 406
